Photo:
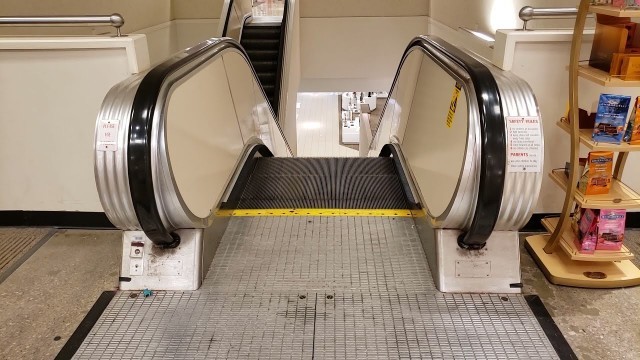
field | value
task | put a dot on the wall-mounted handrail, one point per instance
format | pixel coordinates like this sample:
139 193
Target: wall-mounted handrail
116 20
529 13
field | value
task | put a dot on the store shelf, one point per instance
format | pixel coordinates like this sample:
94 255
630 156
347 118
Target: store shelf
620 196
561 270
585 139
568 245
613 11
603 78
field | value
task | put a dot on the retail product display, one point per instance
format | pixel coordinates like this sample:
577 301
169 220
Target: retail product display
586 238
610 229
608 40
624 4
598 229
632 133
598 172
586 249
616 47
611 118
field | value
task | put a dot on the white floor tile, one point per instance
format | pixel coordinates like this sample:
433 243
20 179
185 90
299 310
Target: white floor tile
319 125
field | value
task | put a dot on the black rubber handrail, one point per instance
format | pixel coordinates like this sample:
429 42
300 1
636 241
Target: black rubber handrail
493 137
227 17
140 129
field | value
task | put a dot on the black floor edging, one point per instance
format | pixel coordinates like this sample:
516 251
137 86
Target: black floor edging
59 219
557 340
73 344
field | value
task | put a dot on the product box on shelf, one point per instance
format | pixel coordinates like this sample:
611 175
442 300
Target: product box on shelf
607 40
587 231
632 133
622 3
611 118
630 68
611 224
596 179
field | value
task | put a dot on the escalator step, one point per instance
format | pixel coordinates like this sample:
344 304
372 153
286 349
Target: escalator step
344 183
264 65
260 44
262 55
267 77
269 89
261 32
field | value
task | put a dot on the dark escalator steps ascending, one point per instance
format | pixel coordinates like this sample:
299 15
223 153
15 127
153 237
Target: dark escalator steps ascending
324 183
262 44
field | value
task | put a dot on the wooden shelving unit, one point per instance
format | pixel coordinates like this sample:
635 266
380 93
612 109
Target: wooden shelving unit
557 253
620 196
568 244
613 11
585 139
604 79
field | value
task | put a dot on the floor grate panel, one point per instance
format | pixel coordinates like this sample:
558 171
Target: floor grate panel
317 288
284 254
16 242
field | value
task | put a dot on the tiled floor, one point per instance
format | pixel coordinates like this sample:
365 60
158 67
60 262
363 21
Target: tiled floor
44 300
268 8
319 125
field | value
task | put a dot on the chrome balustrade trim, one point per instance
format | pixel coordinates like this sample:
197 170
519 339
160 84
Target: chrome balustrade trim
116 20
528 13
110 167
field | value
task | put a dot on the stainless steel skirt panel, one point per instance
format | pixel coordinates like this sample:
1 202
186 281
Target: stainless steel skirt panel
110 167
521 189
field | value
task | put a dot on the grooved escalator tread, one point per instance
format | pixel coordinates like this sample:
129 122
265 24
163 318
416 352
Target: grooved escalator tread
259 54
330 183
265 44
264 65
261 32
267 77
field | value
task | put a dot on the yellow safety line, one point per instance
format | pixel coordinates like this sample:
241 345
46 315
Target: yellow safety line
318 212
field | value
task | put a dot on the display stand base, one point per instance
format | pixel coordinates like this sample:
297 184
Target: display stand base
561 270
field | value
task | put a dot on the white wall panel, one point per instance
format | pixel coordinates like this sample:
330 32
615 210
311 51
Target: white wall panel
360 53
50 94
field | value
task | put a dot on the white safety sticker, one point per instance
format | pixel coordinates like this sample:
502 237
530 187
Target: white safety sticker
524 134
108 135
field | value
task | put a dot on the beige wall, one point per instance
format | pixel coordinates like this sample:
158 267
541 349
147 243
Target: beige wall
354 54
349 45
138 14
196 9
359 8
488 15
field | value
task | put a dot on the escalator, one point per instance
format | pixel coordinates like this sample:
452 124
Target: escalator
263 40
262 43
249 252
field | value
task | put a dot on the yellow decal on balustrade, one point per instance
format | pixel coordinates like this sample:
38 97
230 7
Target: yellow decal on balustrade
453 105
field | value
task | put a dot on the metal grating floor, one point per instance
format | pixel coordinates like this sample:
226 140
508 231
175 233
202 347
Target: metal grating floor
317 287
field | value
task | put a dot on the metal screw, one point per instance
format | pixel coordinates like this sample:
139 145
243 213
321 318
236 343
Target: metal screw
302 297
